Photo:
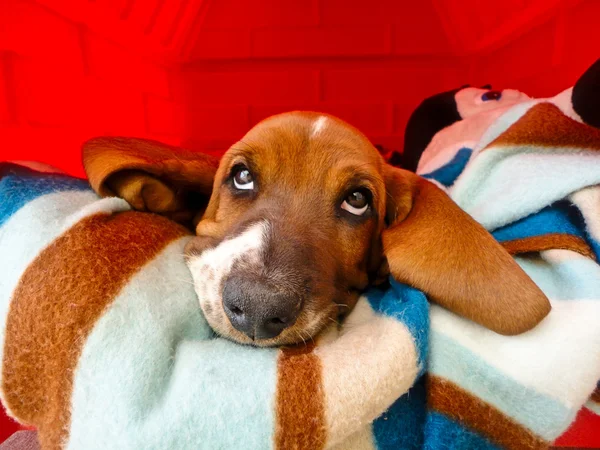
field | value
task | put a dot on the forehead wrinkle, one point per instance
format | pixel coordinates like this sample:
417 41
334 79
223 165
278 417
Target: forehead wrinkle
356 174
239 152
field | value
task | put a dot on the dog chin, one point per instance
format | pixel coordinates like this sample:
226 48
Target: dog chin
241 338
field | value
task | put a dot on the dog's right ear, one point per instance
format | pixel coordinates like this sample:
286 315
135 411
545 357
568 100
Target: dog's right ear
151 176
435 246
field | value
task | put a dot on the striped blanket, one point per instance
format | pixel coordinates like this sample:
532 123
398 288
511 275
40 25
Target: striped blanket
103 344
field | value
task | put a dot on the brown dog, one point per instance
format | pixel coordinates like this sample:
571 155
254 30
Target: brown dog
303 216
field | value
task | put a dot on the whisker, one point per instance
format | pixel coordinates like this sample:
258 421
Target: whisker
334 321
310 337
300 336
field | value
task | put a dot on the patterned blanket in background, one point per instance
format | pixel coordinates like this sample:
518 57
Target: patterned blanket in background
104 344
532 177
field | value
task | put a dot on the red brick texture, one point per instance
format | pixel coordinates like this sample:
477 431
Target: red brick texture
201 72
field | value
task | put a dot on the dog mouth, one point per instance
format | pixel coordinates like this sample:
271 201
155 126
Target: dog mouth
250 298
290 319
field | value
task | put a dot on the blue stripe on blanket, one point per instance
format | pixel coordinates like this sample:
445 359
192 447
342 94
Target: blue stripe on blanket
561 217
409 306
444 433
20 185
449 172
458 364
401 426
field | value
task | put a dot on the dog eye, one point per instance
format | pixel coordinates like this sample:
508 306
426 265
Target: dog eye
242 178
356 202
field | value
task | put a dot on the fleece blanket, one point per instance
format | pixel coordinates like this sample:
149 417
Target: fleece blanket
103 343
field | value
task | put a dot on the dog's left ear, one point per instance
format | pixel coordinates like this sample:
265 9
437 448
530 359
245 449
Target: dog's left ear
433 245
151 176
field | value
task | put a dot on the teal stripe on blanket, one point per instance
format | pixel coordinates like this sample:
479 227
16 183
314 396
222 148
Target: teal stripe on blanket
443 433
19 186
401 426
461 366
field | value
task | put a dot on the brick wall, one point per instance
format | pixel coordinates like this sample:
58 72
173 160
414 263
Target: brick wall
371 63
201 72
62 82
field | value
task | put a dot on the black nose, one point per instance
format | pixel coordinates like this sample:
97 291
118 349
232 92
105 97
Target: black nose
258 310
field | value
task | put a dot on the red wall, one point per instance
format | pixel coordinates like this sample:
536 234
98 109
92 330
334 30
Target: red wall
62 83
201 72
371 62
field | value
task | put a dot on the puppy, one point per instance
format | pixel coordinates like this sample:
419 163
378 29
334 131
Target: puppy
303 215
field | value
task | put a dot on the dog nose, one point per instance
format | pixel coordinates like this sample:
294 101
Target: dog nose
257 309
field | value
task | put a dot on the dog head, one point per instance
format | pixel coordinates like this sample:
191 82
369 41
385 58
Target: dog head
303 214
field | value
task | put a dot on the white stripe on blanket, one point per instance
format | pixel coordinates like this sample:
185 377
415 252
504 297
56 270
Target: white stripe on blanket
358 387
362 440
454 361
501 186
564 101
525 361
588 202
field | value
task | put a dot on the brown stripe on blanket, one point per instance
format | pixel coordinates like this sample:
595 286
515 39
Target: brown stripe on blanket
300 401
545 125
548 242
58 300
451 400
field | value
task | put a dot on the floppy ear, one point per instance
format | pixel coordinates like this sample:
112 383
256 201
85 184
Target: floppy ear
435 246
150 176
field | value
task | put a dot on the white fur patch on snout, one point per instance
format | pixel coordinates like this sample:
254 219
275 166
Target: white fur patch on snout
212 266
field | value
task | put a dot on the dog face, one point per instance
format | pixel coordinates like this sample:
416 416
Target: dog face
291 235
303 214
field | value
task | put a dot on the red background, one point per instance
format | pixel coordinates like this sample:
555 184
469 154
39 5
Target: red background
199 73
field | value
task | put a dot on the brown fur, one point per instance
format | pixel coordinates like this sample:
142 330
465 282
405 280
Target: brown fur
549 242
447 398
435 246
429 242
150 175
545 125
300 182
59 298
300 409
